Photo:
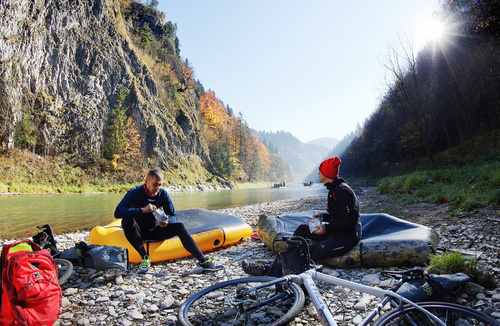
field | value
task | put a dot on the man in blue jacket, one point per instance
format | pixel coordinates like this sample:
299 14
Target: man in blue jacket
138 222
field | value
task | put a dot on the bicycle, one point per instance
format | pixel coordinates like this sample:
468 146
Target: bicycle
45 239
275 301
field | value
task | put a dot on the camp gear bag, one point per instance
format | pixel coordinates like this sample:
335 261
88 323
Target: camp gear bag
31 294
97 256
431 287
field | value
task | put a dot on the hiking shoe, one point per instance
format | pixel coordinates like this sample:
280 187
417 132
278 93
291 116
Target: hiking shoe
208 263
145 264
254 269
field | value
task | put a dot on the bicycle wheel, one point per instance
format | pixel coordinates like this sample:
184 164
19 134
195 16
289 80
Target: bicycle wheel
449 313
225 303
64 269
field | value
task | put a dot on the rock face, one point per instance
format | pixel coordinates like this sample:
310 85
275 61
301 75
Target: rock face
64 61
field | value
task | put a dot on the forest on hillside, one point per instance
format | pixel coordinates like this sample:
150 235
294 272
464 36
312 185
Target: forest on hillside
436 99
235 150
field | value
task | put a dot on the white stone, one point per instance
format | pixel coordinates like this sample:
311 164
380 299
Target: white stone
65 302
373 279
136 314
70 291
168 301
102 299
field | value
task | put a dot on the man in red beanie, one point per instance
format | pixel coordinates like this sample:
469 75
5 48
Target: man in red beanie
332 239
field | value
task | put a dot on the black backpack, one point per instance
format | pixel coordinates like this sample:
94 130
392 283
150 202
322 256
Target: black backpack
295 258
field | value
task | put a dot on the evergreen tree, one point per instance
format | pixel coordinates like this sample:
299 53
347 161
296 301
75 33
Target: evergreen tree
146 35
25 131
117 128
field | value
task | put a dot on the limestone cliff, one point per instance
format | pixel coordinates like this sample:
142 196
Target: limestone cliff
66 60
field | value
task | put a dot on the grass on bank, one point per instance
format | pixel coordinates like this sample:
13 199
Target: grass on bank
463 188
25 173
465 177
454 262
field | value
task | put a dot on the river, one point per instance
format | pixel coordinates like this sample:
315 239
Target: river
70 212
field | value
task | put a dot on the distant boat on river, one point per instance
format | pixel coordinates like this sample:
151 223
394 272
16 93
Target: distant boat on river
279 185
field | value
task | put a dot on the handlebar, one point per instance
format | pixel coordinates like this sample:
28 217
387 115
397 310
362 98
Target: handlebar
409 274
48 229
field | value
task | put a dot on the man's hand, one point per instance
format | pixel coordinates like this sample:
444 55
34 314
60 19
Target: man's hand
148 208
320 228
316 215
163 224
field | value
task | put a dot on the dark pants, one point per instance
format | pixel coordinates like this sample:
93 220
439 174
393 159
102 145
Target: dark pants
136 234
326 246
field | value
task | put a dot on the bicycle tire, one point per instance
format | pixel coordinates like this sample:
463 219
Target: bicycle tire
64 270
221 303
449 313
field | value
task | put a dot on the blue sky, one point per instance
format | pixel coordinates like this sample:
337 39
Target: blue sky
311 68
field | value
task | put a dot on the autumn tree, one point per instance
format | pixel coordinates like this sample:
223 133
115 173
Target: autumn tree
234 150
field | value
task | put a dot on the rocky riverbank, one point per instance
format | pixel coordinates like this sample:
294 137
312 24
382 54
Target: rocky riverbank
130 298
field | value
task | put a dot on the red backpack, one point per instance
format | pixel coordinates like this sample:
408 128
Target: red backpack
31 294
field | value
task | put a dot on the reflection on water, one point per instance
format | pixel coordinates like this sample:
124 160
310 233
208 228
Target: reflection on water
65 213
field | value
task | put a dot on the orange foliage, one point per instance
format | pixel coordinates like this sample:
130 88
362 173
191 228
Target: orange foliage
262 153
249 155
132 154
188 72
164 72
215 114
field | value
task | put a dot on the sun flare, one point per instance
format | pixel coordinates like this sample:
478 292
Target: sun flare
431 30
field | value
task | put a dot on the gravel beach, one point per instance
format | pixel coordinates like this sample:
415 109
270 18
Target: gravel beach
115 297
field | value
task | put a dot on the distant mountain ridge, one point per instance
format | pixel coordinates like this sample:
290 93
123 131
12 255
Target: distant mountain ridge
301 157
327 142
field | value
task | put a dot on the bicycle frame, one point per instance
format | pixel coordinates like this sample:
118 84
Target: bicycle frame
308 280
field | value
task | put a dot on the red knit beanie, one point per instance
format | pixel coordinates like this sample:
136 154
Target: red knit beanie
330 167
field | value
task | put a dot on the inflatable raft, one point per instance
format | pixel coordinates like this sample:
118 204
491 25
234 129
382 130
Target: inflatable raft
210 230
386 240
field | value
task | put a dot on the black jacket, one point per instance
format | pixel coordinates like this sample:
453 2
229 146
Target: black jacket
343 210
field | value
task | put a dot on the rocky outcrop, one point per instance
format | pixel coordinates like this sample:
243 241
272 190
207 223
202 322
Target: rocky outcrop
63 61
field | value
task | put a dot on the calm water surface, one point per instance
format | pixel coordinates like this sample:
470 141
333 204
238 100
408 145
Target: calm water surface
66 213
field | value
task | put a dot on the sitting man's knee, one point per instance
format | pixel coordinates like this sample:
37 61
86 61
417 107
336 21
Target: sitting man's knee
302 230
179 226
